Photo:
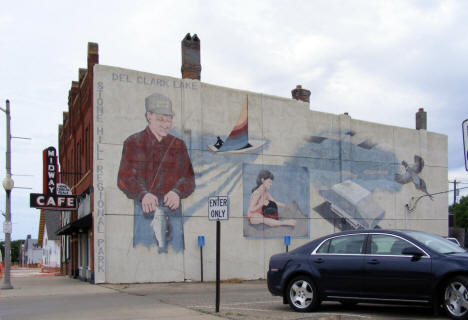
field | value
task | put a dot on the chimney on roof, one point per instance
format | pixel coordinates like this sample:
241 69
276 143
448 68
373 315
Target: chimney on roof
301 94
73 92
81 74
191 67
421 119
93 55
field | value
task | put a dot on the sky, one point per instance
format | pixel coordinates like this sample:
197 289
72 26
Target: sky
380 61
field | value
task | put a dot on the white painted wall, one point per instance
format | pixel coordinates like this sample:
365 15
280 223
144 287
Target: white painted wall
50 251
202 112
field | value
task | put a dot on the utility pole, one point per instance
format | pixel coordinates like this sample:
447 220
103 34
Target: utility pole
8 186
454 191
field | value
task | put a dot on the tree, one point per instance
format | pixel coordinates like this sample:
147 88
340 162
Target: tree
460 210
14 250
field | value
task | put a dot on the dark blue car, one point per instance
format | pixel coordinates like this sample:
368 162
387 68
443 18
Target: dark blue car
378 266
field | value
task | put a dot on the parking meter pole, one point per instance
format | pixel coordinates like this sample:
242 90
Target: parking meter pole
218 254
201 244
201 263
287 242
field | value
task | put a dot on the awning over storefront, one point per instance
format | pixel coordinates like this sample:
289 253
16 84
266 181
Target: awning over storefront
79 225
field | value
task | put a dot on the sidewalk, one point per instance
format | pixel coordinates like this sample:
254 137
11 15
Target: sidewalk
51 292
32 286
20 272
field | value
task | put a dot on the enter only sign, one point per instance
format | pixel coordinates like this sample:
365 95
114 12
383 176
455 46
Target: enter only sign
218 208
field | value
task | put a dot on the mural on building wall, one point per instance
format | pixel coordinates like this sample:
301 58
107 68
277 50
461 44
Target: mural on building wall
238 140
354 204
317 173
345 168
275 201
156 172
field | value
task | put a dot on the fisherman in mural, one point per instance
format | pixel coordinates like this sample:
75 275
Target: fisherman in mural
262 207
156 172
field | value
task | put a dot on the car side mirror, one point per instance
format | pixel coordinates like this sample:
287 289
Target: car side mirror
412 251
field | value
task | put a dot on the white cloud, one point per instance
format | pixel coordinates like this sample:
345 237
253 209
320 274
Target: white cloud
378 60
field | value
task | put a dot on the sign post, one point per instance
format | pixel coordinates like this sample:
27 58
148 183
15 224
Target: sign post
465 142
218 210
218 263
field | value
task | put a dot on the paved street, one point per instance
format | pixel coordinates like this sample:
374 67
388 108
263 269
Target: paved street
251 300
57 297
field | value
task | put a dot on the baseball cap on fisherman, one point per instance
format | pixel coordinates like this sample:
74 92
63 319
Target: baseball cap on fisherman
159 104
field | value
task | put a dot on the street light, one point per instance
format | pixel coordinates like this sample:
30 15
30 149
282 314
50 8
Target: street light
8 186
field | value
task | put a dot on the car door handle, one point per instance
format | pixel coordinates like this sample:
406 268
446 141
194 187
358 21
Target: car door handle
373 261
319 260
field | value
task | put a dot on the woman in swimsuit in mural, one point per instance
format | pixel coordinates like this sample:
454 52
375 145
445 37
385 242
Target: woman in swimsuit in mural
262 204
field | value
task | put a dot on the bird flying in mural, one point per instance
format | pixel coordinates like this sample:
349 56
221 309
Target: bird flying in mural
412 174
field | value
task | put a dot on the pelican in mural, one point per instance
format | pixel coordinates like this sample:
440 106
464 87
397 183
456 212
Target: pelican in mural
238 140
412 174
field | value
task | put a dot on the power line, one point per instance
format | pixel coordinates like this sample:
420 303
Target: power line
412 207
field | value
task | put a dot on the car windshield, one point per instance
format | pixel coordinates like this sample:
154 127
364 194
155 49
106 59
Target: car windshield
435 242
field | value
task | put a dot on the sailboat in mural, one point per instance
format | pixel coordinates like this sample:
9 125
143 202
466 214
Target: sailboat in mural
238 140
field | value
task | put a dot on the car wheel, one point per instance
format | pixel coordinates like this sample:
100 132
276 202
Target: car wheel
302 294
455 298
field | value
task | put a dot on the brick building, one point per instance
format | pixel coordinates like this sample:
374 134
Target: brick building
76 170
